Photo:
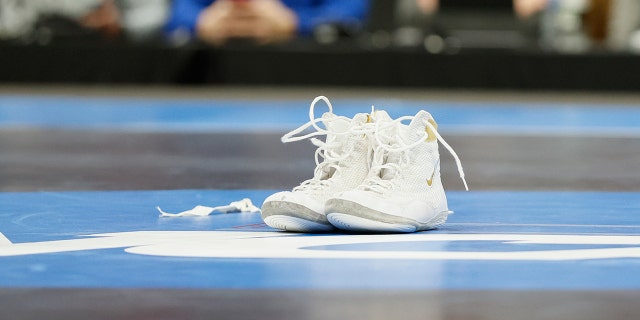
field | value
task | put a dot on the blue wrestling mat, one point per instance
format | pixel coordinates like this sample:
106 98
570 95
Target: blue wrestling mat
233 115
494 240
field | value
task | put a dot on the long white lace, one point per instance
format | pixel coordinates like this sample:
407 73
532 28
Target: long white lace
382 150
328 154
290 136
453 153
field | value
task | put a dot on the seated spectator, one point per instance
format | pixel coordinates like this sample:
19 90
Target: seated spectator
137 19
264 21
30 20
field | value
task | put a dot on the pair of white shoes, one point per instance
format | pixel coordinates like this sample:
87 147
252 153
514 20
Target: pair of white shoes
373 174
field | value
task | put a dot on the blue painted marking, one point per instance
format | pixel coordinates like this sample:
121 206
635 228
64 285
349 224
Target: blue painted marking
237 115
52 216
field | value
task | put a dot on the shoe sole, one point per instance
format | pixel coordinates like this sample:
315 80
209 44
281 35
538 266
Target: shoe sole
363 219
289 216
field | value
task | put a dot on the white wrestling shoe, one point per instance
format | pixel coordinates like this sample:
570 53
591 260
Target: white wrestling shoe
345 154
403 191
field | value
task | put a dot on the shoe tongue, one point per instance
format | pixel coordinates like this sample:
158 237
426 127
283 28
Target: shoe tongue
417 128
335 126
388 136
380 116
409 134
361 118
335 123
386 131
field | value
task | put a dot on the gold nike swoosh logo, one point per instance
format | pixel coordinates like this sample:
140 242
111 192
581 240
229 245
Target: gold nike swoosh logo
436 167
430 180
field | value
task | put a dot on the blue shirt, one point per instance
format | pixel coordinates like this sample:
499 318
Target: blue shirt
311 13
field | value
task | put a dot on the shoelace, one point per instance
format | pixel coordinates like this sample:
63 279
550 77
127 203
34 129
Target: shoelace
330 151
383 148
313 121
453 153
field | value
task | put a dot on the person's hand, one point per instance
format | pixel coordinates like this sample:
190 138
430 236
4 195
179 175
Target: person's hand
428 6
105 18
270 21
265 21
527 8
214 22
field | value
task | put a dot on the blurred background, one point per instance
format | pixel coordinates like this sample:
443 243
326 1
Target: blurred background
470 44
